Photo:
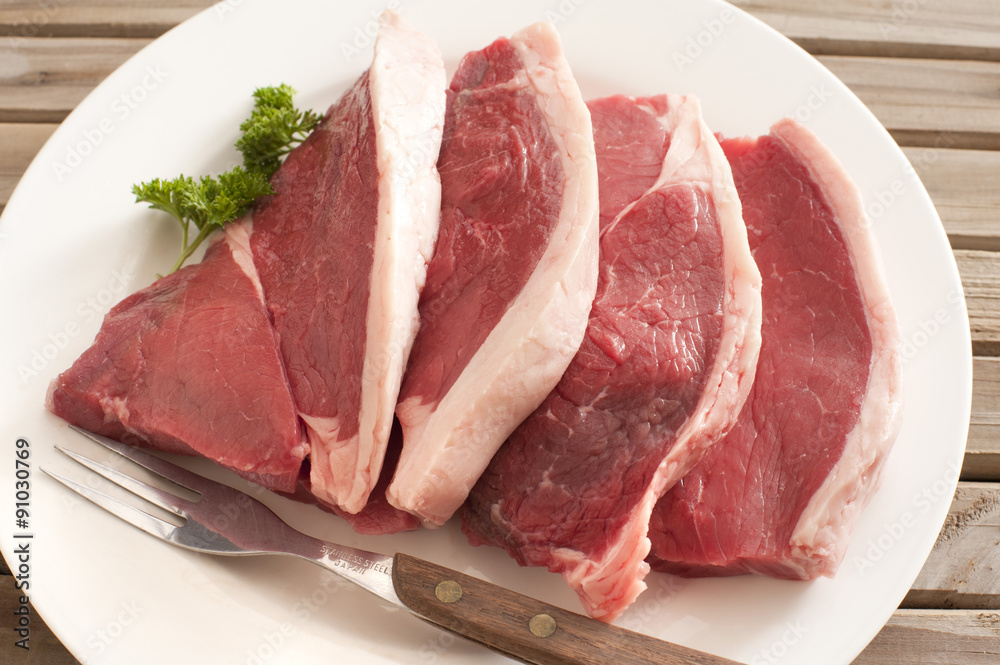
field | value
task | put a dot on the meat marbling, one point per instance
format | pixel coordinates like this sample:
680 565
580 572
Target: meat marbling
667 361
191 365
342 250
514 271
782 493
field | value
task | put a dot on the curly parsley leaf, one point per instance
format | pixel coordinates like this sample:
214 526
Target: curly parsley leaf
273 129
204 205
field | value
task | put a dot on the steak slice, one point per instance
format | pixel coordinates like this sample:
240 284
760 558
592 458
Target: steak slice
342 249
514 270
378 517
190 365
781 495
666 364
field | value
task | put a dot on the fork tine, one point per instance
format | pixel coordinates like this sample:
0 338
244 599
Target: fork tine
171 472
154 495
138 518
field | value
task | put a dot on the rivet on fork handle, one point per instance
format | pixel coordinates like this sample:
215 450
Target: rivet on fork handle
524 628
518 626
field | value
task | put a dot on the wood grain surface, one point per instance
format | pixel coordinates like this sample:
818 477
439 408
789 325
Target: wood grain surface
957 30
506 621
929 71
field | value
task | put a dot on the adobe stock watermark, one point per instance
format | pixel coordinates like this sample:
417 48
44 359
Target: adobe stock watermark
33 22
20 559
879 203
792 633
226 7
52 345
929 327
431 651
900 15
364 35
645 611
563 11
816 99
70 500
303 609
229 513
929 155
697 44
124 105
100 640
920 503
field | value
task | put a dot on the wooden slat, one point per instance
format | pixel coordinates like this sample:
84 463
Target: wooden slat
980 273
944 105
966 29
965 188
929 103
962 183
44 647
44 79
936 637
961 569
962 29
89 18
982 451
930 637
19 143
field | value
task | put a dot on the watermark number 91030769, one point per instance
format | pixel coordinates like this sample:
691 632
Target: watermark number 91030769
20 563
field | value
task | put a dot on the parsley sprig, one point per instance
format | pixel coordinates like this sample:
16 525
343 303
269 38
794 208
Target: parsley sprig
201 206
273 129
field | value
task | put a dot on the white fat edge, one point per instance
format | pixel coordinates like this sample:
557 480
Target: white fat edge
734 369
526 353
598 582
237 236
407 84
321 431
825 527
694 156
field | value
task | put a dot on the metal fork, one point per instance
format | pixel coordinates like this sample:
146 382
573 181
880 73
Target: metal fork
520 627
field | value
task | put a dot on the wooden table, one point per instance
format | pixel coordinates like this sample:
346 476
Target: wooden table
930 71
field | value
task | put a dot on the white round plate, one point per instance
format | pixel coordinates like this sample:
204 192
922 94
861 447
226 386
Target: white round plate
73 242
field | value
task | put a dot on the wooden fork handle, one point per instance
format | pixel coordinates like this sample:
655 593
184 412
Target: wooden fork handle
524 628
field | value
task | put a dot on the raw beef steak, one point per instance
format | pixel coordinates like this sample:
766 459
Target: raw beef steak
378 517
342 249
666 364
514 270
191 365
781 494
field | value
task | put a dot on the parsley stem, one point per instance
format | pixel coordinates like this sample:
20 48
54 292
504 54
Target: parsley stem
190 249
273 129
184 238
